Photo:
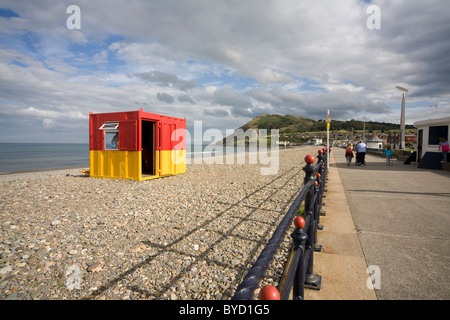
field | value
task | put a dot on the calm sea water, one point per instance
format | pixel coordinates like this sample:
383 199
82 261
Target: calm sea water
44 156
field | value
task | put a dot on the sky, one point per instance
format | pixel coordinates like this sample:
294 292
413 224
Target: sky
222 62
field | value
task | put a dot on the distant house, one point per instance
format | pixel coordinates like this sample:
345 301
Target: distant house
315 142
428 134
374 143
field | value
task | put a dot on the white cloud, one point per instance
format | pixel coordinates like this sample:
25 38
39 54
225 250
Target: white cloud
270 76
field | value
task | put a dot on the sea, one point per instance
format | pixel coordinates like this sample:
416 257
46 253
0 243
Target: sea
23 157
19 157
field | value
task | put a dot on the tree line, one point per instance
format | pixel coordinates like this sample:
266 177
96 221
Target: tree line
293 124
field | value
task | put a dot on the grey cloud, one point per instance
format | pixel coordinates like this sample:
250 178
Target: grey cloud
417 33
313 104
289 99
216 112
241 105
165 97
263 96
227 96
166 79
185 98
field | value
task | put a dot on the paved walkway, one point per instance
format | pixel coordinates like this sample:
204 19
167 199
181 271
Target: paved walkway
341 262
401 218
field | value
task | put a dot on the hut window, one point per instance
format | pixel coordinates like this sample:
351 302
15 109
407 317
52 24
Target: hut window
436 133
111 135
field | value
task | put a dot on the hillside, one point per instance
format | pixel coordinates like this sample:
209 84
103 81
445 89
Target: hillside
299 130
297 124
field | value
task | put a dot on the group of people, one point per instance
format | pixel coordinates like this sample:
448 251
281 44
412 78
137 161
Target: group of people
361 148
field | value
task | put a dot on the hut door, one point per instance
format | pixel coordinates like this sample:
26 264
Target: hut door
148 148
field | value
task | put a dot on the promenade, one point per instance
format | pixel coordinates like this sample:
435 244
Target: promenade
394 219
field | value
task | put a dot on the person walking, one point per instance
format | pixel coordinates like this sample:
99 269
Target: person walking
389 153
444 147
349 154
361 148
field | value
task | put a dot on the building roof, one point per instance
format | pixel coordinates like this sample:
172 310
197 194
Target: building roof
374 138
432 122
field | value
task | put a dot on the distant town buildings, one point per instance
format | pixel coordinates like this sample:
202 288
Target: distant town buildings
315 142
374 141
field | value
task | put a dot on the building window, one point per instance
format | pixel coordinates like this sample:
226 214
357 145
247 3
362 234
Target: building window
111 135
436 133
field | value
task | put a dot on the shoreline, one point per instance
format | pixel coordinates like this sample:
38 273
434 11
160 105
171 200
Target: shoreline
208 156
40 170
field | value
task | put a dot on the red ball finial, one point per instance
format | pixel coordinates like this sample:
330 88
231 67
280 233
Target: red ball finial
309 159
269 292
299 222
320 151
318 175
316 183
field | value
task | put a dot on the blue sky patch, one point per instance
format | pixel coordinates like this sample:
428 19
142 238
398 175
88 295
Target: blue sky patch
95 56
8 13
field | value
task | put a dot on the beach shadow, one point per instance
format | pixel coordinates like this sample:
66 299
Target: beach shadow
205 255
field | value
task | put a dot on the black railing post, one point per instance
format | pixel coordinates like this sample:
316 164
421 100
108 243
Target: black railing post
321 158
312 281
325 169
317 206
299 236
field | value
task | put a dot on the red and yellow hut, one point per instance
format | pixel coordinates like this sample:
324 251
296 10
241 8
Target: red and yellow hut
136 145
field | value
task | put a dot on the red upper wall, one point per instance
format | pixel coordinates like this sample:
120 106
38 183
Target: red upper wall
168 129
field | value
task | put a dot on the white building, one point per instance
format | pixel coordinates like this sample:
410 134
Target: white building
374 143
429 133
315 141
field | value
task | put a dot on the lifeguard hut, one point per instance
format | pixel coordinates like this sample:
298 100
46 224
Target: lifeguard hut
136 145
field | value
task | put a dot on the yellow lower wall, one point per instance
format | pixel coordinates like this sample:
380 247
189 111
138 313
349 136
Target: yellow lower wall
128 164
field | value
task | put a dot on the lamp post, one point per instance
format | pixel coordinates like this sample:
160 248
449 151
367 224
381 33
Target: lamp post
402 119
363 119
364 131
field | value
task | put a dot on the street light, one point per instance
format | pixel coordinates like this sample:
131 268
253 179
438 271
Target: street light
364 118
402 118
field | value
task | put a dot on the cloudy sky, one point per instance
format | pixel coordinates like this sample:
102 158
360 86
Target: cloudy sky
219 61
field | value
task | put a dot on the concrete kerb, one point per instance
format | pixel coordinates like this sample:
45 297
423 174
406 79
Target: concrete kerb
341 262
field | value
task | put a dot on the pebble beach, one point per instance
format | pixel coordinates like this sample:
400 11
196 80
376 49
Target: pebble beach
66 236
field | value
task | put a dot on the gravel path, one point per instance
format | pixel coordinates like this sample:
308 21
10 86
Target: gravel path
190 236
